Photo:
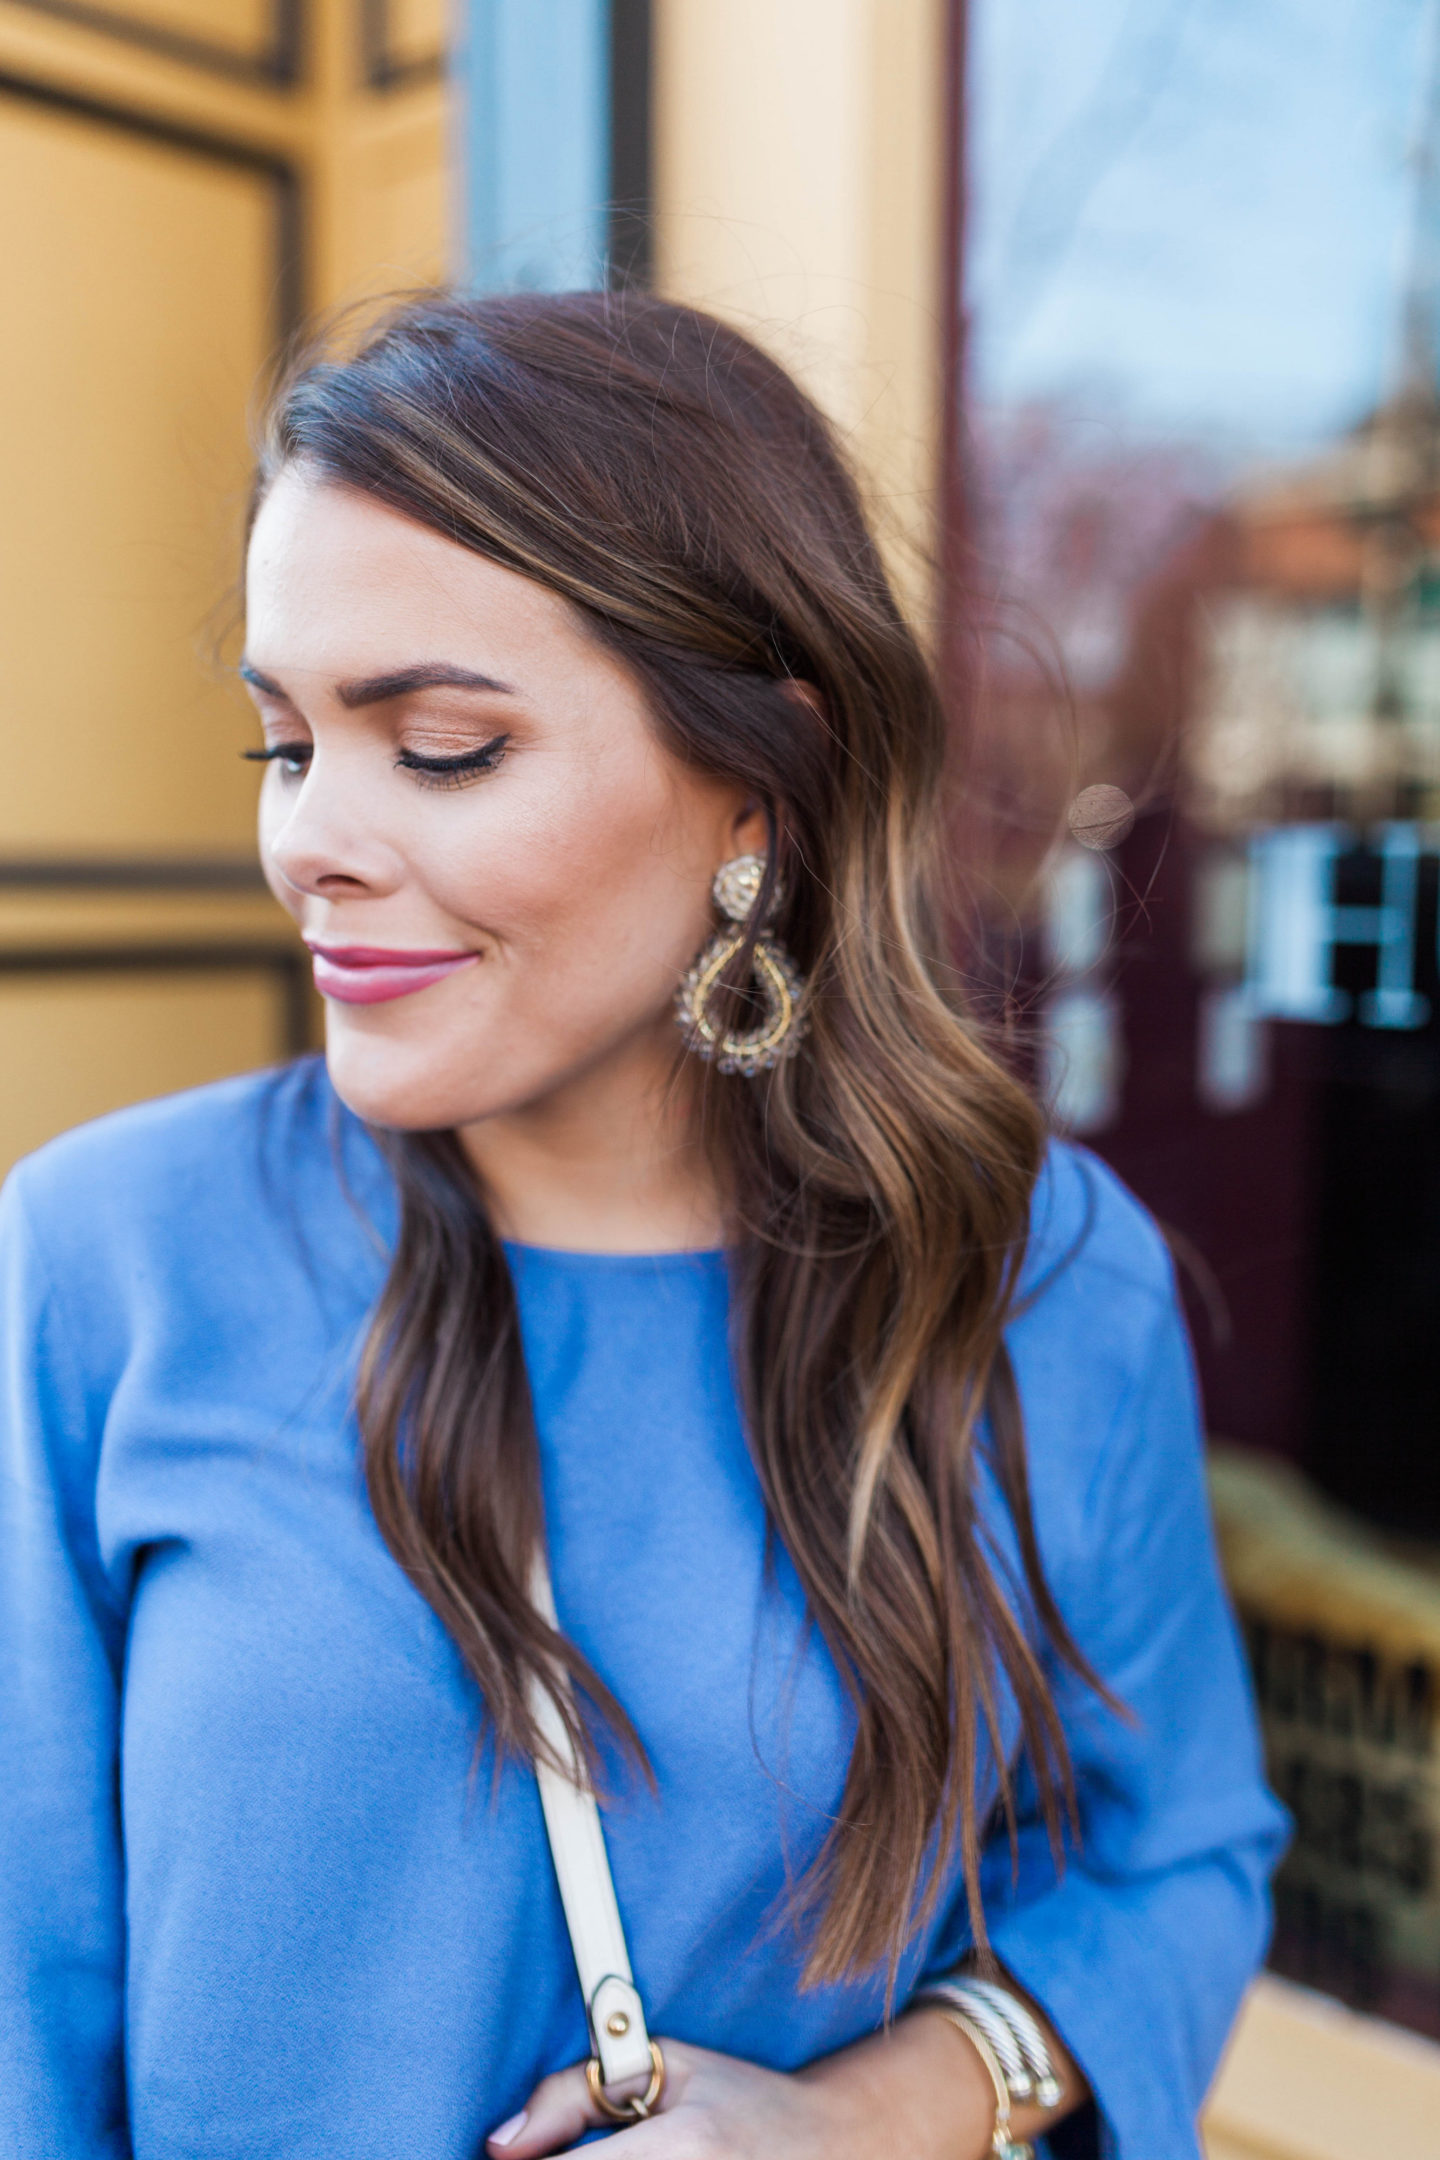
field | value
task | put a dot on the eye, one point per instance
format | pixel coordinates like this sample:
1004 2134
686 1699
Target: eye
293 758
454 771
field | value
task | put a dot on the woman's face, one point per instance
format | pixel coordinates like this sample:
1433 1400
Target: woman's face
500 870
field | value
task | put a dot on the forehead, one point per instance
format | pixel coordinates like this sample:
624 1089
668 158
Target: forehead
336 580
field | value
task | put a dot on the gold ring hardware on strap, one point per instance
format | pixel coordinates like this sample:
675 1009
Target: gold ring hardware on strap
633 2110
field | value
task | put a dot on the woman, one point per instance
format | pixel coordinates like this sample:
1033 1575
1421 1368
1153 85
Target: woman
858 1429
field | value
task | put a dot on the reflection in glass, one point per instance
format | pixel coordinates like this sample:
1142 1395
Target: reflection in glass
1203 272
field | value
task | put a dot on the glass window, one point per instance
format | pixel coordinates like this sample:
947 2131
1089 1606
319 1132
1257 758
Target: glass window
1203 388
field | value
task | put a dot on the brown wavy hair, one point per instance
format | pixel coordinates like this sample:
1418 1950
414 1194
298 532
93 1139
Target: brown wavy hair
675 485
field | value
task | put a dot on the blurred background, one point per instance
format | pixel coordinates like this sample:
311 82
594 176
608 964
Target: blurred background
1131 315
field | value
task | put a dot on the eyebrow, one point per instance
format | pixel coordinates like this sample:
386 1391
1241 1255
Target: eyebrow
400 682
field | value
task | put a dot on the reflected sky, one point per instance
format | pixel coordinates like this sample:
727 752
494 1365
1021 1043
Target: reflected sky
1194 213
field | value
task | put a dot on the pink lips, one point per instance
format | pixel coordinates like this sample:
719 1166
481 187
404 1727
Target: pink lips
371 975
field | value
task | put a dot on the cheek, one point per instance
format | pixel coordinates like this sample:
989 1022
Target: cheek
602 878
584 884
577 963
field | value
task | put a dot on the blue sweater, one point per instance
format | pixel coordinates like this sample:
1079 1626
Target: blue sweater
257 1898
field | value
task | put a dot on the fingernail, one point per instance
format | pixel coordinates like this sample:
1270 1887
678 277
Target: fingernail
509 2130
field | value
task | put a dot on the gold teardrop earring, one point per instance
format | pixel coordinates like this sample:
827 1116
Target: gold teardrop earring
777 980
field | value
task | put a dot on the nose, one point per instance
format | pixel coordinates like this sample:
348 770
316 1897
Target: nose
323 838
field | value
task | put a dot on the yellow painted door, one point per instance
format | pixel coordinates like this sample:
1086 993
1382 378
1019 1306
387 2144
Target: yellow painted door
176 185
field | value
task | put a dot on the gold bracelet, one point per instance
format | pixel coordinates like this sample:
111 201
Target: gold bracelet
1002 2145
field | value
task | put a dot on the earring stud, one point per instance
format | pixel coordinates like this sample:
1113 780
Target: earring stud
776 980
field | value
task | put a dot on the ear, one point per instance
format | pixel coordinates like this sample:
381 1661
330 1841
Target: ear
749 829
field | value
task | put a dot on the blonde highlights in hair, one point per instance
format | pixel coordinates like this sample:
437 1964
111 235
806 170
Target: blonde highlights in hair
664 475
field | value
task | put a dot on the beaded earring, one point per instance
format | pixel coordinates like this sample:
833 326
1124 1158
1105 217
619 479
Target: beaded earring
777 981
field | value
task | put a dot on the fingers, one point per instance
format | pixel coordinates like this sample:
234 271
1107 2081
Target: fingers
558 2112
560 2109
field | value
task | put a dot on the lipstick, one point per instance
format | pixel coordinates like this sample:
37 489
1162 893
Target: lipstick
374 974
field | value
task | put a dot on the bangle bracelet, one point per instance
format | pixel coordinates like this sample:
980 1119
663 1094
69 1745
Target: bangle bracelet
999 2033
1002 2145
1027 2032
1014 2035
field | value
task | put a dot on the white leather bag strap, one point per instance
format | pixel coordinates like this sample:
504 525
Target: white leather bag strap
619 2037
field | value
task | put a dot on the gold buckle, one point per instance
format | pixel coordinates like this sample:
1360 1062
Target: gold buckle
640 2105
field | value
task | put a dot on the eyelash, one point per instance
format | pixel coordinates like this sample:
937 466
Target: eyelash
441 772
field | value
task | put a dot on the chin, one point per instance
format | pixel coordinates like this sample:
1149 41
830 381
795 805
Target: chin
398 1084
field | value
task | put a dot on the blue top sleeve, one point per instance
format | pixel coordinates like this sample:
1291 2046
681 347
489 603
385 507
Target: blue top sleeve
1141 1948
62 1926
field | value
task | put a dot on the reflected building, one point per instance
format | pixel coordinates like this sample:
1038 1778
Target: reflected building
1240 1009
1319 663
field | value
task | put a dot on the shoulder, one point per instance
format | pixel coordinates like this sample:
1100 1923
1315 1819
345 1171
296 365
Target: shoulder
186 1262
1097 1316
206 1172
1090 1236
162 1152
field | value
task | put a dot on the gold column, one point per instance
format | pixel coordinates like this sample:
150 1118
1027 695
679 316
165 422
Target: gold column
800 161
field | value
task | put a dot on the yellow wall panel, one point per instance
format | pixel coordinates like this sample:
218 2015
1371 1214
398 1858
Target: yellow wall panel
102 1041
414 32
394 234
161 190
139 280
238 26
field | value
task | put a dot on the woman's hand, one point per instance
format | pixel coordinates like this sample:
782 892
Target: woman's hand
916 2092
